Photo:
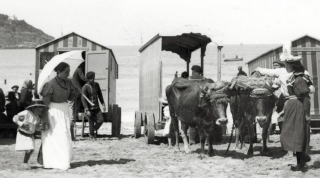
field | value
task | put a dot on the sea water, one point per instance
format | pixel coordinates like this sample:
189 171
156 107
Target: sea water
17 65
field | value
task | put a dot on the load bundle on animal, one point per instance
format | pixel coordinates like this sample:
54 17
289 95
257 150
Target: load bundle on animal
252 100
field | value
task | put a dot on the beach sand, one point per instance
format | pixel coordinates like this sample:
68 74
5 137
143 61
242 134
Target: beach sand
126 156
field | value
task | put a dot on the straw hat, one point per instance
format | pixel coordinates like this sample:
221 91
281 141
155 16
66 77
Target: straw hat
37 103
287 55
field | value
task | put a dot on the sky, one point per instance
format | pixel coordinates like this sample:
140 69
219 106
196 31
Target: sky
134 22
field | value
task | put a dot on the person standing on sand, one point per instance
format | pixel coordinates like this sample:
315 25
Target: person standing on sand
296 89
15 89
56 141
29 122
26 95
92 91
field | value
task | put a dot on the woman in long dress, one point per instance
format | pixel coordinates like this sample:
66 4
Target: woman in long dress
56 141
294 130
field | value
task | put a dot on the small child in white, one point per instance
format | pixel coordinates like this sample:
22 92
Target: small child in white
28 121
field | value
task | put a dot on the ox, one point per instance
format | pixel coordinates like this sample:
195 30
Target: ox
252 101
200 104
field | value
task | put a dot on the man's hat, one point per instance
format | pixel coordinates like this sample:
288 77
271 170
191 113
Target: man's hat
286 55
279 62
15 86
197 69
90 74
37 103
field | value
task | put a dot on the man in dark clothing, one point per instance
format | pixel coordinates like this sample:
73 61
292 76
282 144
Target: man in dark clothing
78 80
196 73
91 91
241 72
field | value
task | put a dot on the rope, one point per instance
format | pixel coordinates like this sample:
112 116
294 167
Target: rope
230 140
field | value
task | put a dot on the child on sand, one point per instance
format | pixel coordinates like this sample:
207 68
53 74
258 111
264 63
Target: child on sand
28 121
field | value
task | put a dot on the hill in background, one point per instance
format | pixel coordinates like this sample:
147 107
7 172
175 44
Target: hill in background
16 33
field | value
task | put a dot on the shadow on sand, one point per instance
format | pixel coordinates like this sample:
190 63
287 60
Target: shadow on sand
7 141
100 162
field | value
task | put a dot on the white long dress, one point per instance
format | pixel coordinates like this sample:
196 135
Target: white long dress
56 141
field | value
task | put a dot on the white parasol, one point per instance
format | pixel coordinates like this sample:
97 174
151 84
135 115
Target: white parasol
73 58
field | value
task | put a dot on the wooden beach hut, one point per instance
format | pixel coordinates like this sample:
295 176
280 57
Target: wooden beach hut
309 48
180 41
98 58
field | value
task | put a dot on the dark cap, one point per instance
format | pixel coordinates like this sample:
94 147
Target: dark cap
90 74
279 62
197 69
15 86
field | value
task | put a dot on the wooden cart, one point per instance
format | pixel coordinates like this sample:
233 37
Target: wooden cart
182 43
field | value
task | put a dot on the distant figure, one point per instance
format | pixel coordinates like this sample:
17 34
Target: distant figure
196 73
184 75
2 101
241 72
15 88
3 117
78 80
26 95
12 106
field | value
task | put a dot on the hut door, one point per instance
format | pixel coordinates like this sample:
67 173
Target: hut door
98 62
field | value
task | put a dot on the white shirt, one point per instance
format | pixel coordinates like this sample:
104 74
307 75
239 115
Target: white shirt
281 74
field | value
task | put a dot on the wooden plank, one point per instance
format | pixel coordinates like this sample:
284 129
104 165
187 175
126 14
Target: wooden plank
315 79
75 41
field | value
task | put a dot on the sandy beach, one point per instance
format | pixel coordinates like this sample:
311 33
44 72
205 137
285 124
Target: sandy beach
126 156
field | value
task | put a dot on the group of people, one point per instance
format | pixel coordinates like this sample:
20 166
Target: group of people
52 116
14 101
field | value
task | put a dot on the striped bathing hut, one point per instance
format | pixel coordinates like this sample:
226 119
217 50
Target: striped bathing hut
99 59
309 48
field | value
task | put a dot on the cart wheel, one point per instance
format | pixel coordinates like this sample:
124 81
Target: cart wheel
149 128
137 124
115 121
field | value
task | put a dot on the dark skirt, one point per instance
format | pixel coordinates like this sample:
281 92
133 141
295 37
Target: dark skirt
294 129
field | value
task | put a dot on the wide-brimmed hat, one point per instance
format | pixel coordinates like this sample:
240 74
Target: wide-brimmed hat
15 86
37 103
286 55
279 62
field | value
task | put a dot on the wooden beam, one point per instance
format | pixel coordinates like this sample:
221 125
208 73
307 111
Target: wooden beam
219 62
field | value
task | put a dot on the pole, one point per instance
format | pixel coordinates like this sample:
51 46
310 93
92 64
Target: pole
203 50
188 67
219 62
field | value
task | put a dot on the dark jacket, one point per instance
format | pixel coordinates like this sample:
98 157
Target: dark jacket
242 73
26 98
78 78
93 93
